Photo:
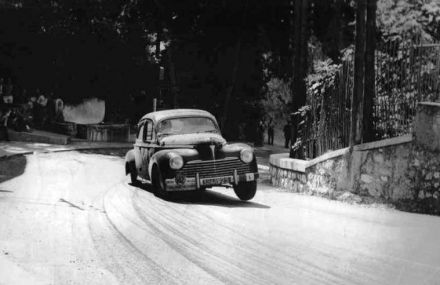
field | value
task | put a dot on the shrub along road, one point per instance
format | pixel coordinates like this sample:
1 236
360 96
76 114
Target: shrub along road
73 218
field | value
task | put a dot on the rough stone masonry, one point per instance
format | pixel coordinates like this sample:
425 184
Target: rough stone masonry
404 170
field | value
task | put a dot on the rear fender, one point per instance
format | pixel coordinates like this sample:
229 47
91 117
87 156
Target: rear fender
129 158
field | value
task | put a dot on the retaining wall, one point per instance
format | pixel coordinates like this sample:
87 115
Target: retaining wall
399 170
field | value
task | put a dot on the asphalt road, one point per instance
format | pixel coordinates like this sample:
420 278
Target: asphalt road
73 218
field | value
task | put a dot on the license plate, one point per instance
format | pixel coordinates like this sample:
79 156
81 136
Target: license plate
250 177
216 180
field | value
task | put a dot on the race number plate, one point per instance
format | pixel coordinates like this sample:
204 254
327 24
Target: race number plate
216 180
250 177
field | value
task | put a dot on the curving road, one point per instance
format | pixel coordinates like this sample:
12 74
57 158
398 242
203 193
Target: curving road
72 218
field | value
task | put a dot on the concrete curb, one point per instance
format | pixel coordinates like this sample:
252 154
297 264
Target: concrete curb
6 157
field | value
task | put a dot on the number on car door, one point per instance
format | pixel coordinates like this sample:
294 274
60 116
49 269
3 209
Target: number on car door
138 146
147 147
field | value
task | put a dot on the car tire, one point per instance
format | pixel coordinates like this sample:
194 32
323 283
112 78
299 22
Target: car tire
245 190
159 185
133 173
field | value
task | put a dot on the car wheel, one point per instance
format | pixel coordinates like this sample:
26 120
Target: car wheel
133 173
246 190
159 185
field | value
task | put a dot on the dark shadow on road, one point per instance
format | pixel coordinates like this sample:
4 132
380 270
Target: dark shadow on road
6 191
208 197
213 198
144 186
12 167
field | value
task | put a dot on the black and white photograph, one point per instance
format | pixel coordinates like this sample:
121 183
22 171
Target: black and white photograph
220 142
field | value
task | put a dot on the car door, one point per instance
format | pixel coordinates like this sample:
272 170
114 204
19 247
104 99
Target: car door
138 145
148 147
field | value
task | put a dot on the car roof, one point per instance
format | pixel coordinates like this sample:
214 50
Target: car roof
173 113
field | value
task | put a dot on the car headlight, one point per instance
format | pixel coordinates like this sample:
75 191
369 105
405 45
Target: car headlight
246 155
176 161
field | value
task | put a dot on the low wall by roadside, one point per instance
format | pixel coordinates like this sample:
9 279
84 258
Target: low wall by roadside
38 136
17 148
287 173
398 170
105 132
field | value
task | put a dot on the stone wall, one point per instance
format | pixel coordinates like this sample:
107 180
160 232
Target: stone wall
424 173
404 170
290 180
287 173
427 126
317 177
327 175
380 169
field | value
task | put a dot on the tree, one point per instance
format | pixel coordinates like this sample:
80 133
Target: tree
370 75
357 101
85 48
409 18
300 53
300 62
362 128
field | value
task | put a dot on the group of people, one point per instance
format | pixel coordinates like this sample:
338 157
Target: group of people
287 130
23 112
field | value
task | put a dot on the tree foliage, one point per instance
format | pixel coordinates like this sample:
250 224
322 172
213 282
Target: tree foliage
217 49
277 100
409 18
76 49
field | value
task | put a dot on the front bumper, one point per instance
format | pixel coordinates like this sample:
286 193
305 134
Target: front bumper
180 183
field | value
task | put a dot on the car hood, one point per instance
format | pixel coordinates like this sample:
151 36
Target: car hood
192 139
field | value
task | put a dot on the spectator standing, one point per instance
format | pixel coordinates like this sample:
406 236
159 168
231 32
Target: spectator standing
36 113
21 97
42 106
4 117
287 134
17 122
34 96
59 106
260 133
242 131
28 112
8 98
270 132
2 87
50 108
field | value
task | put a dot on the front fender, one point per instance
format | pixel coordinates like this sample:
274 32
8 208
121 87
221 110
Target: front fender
161 159
235 147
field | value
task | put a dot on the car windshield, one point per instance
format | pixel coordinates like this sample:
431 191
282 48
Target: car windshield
188 125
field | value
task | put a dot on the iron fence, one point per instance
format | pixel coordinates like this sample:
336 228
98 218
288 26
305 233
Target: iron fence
327 123
407 72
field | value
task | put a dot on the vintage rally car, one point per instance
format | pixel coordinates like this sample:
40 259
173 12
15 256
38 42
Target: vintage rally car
183 149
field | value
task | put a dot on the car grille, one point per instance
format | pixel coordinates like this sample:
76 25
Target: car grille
214 168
